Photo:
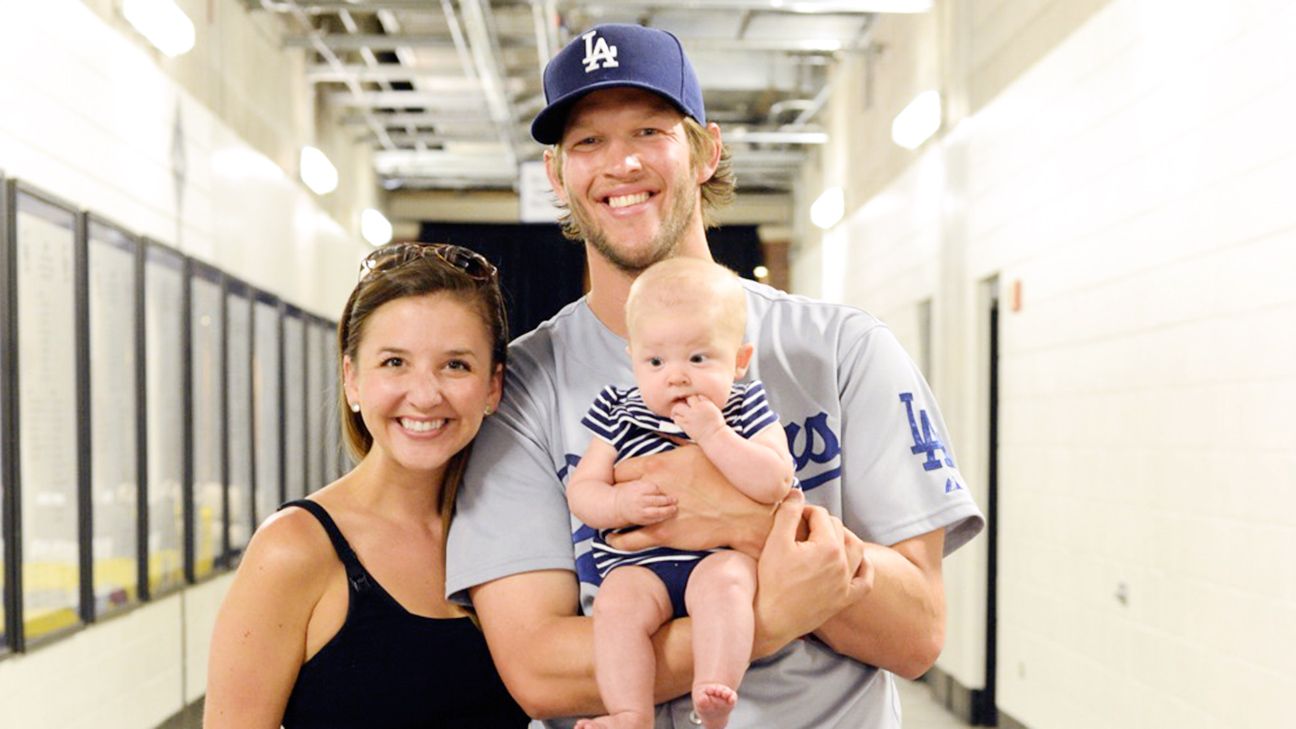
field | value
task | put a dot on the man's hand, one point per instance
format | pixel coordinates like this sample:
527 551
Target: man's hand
641 502
698 417
803 582
711 513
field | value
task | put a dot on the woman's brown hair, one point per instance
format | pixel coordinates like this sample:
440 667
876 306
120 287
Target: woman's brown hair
400 270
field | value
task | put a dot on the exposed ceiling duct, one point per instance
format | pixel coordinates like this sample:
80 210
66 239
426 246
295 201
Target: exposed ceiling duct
445 90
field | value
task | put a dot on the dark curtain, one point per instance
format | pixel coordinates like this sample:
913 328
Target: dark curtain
541 271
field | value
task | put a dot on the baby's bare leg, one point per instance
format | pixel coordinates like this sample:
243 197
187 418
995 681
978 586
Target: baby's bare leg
719 599
631 605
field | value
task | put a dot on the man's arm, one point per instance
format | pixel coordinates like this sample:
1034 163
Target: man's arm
710 512
544 648
898 623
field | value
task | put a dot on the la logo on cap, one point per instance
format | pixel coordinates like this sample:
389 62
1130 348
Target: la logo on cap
598 54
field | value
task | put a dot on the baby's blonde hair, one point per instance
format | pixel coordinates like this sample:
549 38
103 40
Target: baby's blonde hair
696 286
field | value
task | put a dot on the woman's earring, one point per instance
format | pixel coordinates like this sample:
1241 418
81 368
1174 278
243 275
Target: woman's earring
488 410
355 407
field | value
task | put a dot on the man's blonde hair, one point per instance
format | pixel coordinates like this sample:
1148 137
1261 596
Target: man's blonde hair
717 192
698 287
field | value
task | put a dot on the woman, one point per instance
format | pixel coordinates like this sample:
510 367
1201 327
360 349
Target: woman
337 615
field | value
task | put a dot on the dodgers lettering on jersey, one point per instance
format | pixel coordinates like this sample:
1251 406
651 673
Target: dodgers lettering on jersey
598 54
815 448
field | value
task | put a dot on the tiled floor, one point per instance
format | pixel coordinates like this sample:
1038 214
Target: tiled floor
921 711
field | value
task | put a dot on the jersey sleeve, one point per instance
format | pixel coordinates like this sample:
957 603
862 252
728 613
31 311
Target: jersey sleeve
511 512
901 477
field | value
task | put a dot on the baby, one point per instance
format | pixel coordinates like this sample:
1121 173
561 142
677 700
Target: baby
686 319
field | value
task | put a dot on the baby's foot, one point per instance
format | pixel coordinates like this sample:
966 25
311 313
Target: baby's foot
619 720
713 702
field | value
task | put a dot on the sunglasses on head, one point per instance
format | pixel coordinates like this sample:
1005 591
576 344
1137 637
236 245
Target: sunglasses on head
471 263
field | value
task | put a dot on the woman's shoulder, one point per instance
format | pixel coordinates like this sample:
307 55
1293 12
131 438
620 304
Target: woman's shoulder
290 546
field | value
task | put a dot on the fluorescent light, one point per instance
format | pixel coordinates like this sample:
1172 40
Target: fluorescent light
163 23
917 121
375 227
828 208
317 172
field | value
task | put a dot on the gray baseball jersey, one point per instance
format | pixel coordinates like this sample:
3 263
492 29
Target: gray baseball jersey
862 426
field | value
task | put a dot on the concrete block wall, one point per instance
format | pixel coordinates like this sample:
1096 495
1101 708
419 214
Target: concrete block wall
91 114
1136 181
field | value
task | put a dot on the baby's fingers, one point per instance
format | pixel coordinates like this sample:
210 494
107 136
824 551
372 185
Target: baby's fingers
654 514
657 499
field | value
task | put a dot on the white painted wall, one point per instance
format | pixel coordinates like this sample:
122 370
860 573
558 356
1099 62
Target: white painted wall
88 115
1138 181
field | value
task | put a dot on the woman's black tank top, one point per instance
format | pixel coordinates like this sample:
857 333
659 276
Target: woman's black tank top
388 668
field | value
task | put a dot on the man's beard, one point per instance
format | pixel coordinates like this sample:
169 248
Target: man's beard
663 245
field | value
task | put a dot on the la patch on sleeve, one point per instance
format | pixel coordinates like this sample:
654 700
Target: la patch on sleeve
927 442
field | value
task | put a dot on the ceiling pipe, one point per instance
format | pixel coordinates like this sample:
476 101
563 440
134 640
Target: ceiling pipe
331 58
745 135
485 51
373 41
544 49
799 7
370 60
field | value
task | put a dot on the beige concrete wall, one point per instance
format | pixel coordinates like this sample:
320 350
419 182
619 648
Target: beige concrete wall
240 71
92 114
1133 178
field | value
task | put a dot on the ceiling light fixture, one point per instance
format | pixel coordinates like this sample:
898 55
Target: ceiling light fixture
163 23
317 171
375 227
828 208
918 121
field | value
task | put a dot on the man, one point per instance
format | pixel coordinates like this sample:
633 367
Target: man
637 166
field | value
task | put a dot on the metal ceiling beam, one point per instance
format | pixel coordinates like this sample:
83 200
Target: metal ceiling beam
409 100
489 166
363 6
743 135
373 41
383 42
484 43
767 158
544 17
826 7
331 58
439 82
766 45
420 119
740 157
406 139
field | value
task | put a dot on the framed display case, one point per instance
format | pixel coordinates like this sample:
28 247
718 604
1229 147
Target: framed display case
165 306
294 399
45 396
205 486
267 403
114 269
240 469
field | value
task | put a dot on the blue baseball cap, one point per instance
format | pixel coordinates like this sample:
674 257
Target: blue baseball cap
612 55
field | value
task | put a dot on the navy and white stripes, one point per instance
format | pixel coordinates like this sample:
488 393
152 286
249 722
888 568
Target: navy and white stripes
620 417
